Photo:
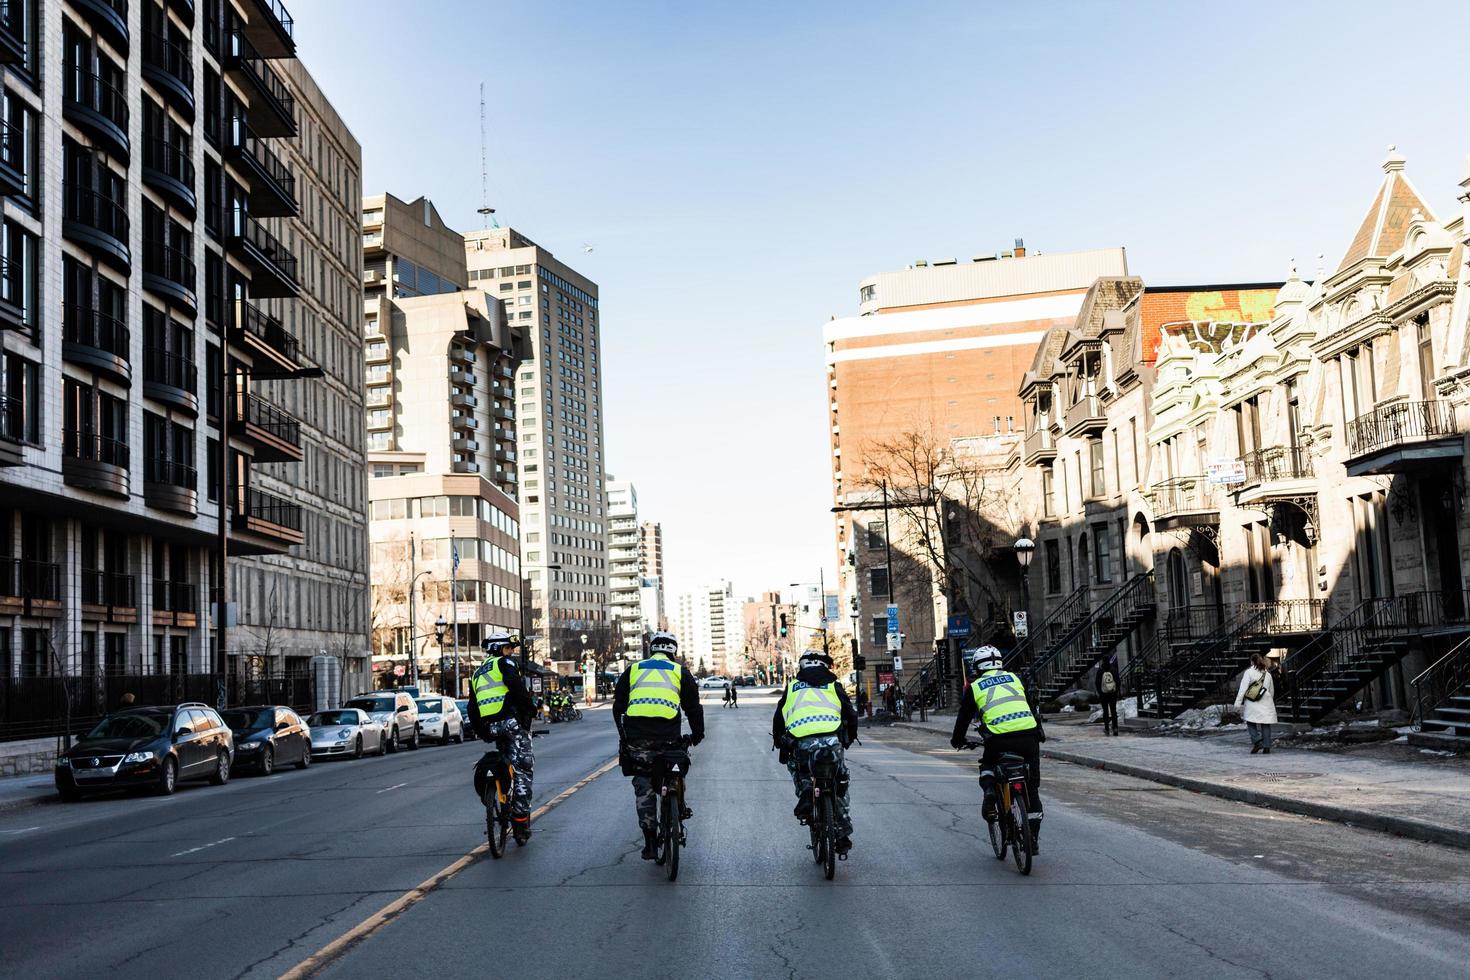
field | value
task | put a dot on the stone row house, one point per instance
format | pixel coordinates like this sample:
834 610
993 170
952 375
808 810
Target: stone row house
1214 471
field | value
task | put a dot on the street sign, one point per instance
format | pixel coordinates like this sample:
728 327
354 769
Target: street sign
1225 472
959 626
831 608
892 619
895 641
1019 625
898 665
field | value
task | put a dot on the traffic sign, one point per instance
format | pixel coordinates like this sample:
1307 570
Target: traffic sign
892 619
1020 626
898 665
959 626
895 641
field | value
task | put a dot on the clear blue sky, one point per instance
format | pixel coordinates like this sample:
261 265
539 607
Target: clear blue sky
740 166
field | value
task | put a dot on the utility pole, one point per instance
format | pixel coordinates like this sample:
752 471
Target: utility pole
413 584
454 605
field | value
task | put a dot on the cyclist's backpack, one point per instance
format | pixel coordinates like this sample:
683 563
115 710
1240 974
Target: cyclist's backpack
1109 683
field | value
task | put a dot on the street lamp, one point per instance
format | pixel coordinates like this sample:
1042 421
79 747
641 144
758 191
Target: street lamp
1025 548
413 625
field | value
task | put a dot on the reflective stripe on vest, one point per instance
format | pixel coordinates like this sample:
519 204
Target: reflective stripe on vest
653 689
489 689
1002 703
811 710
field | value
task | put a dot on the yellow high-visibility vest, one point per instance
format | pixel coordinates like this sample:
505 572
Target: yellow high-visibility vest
653 688
811 710
1002 703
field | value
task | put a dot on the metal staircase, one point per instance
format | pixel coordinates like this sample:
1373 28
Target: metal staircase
1046 635
1091 638
1194 671
1442 701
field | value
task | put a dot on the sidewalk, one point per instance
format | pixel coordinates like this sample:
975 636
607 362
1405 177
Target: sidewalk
1424 801
22 791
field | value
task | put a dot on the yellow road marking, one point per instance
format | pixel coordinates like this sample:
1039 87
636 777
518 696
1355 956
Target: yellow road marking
329 953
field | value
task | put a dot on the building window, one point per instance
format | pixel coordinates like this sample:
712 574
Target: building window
1101 555
878 581
1099 469
21 149
20 399
20 274
877 534
1048 504
880 630
1053 558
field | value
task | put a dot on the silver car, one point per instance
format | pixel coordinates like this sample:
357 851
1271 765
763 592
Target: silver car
346 731
439 718
395 711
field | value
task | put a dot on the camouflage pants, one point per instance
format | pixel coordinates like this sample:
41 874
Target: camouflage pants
638 758
515 745
800 767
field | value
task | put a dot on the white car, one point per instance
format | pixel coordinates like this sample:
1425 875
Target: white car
713 684
346 731
439 718
396 711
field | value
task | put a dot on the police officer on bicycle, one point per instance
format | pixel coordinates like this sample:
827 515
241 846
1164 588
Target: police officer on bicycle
814 713
999 706
501 710
646 705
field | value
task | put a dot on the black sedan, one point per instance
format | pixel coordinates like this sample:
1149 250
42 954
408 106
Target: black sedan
148 747
268 736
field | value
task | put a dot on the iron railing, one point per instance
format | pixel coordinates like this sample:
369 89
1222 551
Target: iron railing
259 505
90 91
40 580
1400 422
253 320
164 367
1172 674
1276 464
170 57
1192 622
251 231
177 597
270 164
101 588
1044 635
1128 600
1182 495
1290 615
168 263
171 472
254 410
97 211
95 329
270 87
95 447
170 160
1444 678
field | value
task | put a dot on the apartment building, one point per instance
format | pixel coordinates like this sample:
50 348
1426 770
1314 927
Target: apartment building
1300 492
562 479
711 629
624 569
935 354
171 289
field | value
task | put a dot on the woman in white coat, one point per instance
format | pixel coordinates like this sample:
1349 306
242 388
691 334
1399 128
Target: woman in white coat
1257 701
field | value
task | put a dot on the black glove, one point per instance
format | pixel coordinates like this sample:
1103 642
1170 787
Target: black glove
958 742
696 739
1041 737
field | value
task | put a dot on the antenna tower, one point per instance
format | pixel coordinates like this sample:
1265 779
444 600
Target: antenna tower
485 208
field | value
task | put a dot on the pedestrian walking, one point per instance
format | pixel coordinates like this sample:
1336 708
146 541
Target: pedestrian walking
1108 687
1257 701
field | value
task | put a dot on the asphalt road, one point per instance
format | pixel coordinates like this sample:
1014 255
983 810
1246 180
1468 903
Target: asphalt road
1134 879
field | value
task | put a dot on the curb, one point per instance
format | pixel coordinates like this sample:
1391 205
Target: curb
1399 826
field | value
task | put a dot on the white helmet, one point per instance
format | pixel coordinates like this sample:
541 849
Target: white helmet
986 658
814 658
499 641
663 643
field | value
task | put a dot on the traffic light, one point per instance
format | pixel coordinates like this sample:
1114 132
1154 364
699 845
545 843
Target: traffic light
859 663
783 625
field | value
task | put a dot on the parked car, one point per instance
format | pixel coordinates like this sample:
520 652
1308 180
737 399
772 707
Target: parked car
151 747
464 713
267 736
439 718
713 684
396 711
346 731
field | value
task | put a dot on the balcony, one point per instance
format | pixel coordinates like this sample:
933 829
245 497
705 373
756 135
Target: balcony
464 466
171 485
372 242
462 376
95 462
99 224
1086 417
463 422
504 371
377 354
12 160
108 16
169 272
259 332
505 456
185 9
379 397
168 170
1403 437
270 28
272 266
109 596
461 355
167 66
504 412
464 444
12 32
97 107
12 430
462 400
503 434
175 603
272 185
98 341
1041 447
274 520
275 434
40 586
1187 501
1276 464
171 378
272 106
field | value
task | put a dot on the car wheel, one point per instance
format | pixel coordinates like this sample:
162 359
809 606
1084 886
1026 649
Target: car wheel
445 739
382 744
413 743
357 747
393 741
459 736
268 761
168 777
221 769
305 759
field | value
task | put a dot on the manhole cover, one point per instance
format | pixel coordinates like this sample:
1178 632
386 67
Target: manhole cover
1286 777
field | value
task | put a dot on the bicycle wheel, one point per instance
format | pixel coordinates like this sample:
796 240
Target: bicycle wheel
495 827
1022 830
671 836
829 839
997 837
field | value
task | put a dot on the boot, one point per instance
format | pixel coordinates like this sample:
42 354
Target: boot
520 829
684 812
1036 837
987 808
842 845
650 845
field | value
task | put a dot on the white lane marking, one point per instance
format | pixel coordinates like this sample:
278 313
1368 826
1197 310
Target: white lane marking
382 791
202 847
23 830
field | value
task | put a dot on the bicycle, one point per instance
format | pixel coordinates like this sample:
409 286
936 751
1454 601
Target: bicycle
669 767
823 772
1011 827
499 785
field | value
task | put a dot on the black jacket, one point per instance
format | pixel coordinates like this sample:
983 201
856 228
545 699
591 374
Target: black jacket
517 703
969 714
819 677
659 729
1109 663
